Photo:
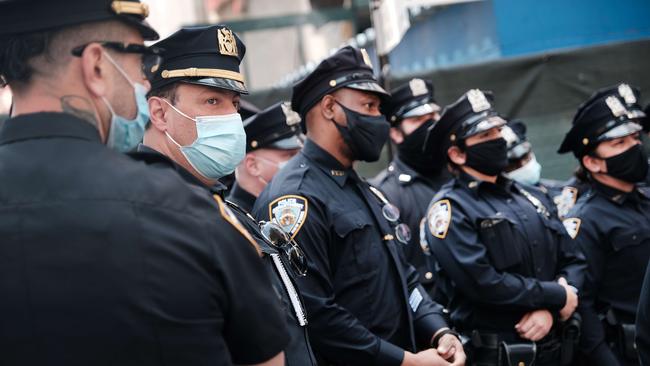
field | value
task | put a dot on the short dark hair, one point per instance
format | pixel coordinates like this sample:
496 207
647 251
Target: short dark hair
167 91
16 51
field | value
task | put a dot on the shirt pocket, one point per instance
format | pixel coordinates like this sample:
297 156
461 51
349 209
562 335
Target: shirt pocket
628 238
503 244
357 242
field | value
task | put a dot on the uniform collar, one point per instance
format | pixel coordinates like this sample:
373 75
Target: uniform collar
217 188
503 185
405 174
47 125
617 196
242 197
326 162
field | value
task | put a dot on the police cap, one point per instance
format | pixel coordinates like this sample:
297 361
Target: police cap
413 99
276 127
206 55
29 16
600 119
349 67
471 114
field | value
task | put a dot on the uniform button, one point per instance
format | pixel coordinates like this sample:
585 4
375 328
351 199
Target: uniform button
302 165
539 270
509 200
633 237
428 275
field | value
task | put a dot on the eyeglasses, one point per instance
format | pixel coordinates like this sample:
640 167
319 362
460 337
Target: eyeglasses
151 56
279 239
391 214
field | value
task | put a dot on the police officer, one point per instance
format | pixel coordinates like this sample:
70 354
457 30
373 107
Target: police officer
610 224
507 266
643 322
577 185
364 301
106 260
194 122
272 138
413 177
524 168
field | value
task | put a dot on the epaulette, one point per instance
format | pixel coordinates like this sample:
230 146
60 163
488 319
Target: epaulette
230 217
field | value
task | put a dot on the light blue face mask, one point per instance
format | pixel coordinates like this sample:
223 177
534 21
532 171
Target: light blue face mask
529 173
125 134
219 147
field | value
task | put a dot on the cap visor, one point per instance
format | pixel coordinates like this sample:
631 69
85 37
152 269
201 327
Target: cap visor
622 130
487 123
221 83
422 110
289 143
369 86
147 32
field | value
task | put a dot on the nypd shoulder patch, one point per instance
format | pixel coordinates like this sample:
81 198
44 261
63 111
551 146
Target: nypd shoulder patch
572 226
439 218
566 200
230 217
290 212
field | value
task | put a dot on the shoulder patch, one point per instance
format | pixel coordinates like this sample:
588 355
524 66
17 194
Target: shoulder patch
230 217
439 218
572 226
566 200
290 212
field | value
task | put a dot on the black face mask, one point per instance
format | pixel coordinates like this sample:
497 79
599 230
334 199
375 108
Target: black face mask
489 157
629 166
365 135
411 151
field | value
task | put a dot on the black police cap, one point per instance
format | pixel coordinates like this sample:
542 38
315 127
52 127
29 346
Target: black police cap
514 132
207 55
349 67
276 127
629 94
600 119
471 114
413 99
29 16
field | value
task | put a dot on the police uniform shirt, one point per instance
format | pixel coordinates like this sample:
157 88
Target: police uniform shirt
364 301
499 253
411 192
298 351
241 197
105 260
611 227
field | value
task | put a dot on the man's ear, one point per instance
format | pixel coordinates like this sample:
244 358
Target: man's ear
94 68
456 155
396 135
250 163
593 164
157 113
327 107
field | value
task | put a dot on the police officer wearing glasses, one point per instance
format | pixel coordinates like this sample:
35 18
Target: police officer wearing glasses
610 223
413 177
508 268
365 304
107 260
195 122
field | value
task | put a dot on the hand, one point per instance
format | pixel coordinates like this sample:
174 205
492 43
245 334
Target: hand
429 357
571 300
450 348
535 325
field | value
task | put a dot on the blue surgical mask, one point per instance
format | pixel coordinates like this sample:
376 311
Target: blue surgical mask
219 147
125 134
529 173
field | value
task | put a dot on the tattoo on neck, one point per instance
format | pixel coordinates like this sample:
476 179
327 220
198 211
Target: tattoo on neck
79 107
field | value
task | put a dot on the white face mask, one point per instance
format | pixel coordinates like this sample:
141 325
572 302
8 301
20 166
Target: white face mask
529 173
219 147
277 164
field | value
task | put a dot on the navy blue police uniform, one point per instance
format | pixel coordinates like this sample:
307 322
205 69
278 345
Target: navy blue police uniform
643 322
201 49
111 261
364 301
611 228
499 246
413 177
276 127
